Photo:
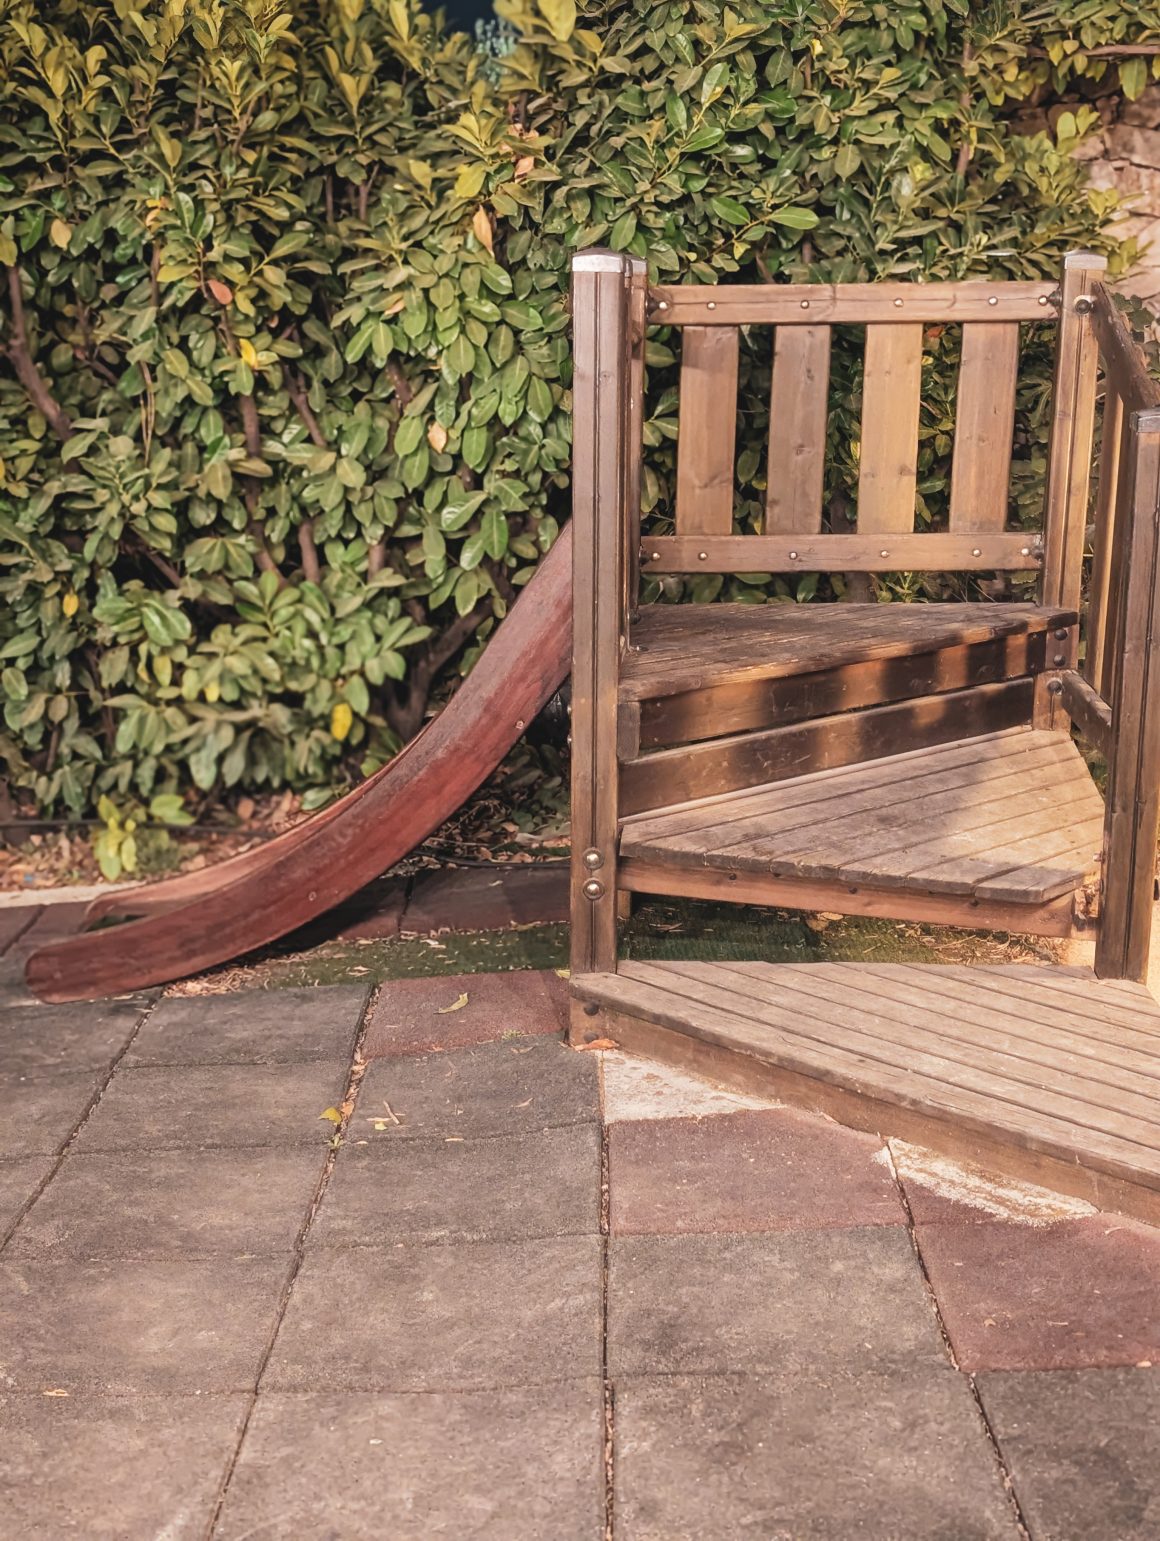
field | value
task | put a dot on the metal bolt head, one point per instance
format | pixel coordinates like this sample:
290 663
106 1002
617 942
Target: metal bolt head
662 304
1061 634
805 304
593 889
712 305
992 299
702 556
975 551
1058 659
1084 305
793 556
884 553
1055 687
593 859
1043 299
1025 551
898 304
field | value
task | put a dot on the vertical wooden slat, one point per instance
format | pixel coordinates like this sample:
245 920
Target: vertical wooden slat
1069 455
984 425
1100 595
600 475
1132 820
1120 562
637 313
798 401
891 388
707 430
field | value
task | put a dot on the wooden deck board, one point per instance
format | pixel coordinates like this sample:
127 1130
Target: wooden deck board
678 648
1022 1065
1012 816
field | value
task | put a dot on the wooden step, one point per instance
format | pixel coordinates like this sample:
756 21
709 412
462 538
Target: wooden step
1041 1072
1008 817
682 648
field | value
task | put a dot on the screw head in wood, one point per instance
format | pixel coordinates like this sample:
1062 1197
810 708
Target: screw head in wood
593 859
593 889
793 556
898 304
702 556
1058 659
1061 634
712 305
520 724
975 551
1025 551
662 304
992 299
1084 305
805 304
1043 299
591 1008
656 556
1054 687
884 553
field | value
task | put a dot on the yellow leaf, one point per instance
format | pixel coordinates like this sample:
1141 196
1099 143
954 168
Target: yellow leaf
481 224
456 1005
341 721
437 437
60 233
332 1115
560 16
70 604
8 252
248 351
470 180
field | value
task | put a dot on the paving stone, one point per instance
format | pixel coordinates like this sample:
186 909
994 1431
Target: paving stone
125 1327
1081 1293
53 922
252 1027
939 1189
232 1105
411 1015
887 1458
454 1318
172 1203
35 1040
15 920
19 1180
807 1302
1083 1450
637 1088
38 1114
541 1184
114 1469
487 899
521 1465
510 1087
770 1171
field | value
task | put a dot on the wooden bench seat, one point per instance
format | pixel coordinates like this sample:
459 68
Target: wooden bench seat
1010 817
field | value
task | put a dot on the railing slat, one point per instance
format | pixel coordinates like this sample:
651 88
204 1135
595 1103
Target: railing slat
984 425
707 431
933 552
891 392
797 430
1101 601
852 304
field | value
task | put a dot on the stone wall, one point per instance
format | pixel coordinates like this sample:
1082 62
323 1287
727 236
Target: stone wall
1126 155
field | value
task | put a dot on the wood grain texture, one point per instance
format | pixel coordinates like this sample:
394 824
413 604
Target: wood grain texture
878 553
891 392
330 858
992 1061
852 304
984 426
706 431
798 402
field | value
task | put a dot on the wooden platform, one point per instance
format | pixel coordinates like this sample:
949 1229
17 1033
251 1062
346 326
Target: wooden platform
1044 1073
678 648
1009 817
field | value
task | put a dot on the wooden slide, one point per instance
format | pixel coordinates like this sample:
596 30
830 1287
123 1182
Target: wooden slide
189 923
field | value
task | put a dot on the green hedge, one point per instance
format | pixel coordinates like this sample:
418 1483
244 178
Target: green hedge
284 401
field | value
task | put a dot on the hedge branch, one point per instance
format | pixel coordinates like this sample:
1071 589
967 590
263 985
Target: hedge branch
24 364
252 432
405 710
311 568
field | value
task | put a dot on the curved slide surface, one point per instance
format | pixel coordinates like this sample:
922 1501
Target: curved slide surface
190 923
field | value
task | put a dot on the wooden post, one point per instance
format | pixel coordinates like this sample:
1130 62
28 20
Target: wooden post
601 476
637 322
1132 819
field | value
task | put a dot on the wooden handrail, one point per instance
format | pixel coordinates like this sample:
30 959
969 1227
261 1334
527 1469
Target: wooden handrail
1123 364
851 304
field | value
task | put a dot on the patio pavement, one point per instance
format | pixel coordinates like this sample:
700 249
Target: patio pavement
520 1291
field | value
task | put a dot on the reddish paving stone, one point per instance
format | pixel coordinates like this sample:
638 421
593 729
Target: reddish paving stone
802 1303
446 1318
511 1087
172 1203
15 920
541 1184
487 898
126 1327
411 1016
499 1465
1083 1450
111 1468
768 1171
53 922
39 1113
900 1457
252 1027
1081 1293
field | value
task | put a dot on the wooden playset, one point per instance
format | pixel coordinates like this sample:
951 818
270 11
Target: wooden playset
913 761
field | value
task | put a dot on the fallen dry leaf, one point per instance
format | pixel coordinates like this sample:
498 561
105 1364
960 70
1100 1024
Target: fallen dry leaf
481 225
332 1115
456 1005
599 1043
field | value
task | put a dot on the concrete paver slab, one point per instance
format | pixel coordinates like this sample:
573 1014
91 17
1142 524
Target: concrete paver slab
38 1114
509 1087
411 1016
541 1184
889 1458
767 1171
253 1027
807 1302
445 1318
521 1465
1083 1450
125 1327
114 1469
19 1180
172 1203
183 1107
37 1040
1078 1294
636 1088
